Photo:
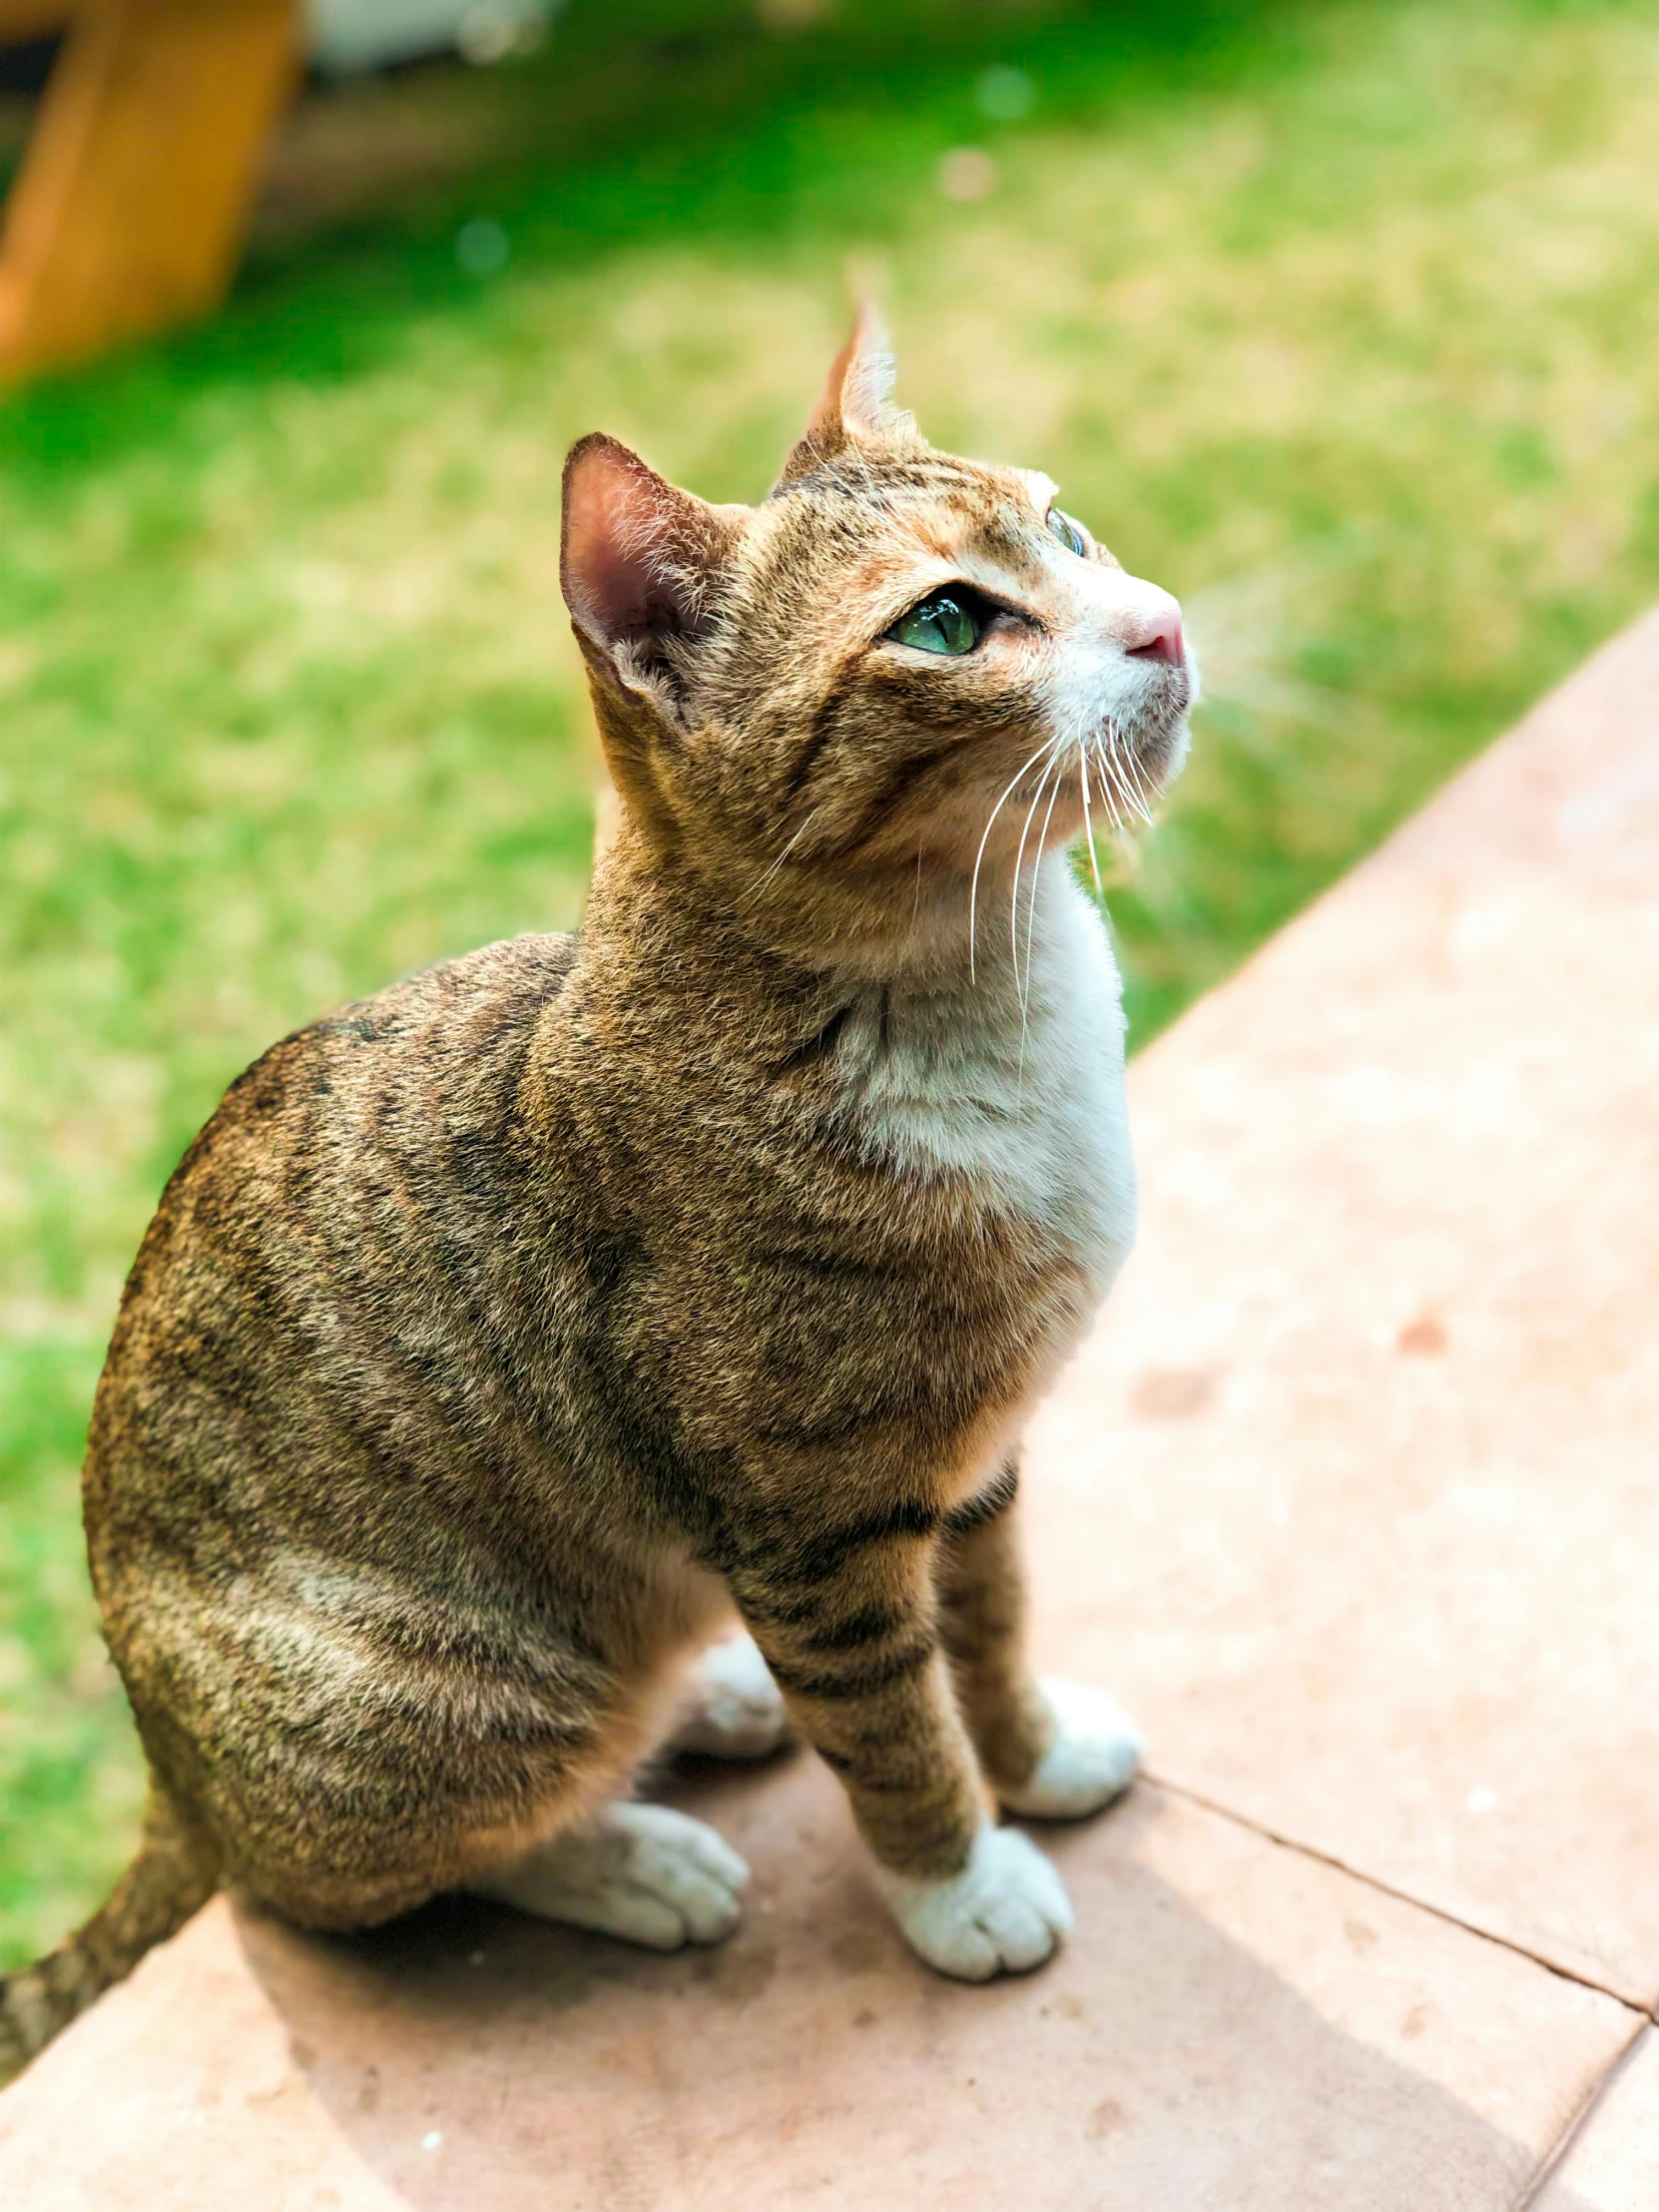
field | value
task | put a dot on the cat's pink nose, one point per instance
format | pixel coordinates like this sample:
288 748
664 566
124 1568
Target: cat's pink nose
1162 640
1141 619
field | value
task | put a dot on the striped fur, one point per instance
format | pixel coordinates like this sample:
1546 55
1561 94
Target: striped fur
500 1334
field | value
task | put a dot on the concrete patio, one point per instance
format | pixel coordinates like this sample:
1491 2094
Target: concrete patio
1352 1497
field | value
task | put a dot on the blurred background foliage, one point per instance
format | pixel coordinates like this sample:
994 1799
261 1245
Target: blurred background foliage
1339 320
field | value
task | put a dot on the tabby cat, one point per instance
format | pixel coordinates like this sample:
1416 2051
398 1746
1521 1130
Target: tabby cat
504 1334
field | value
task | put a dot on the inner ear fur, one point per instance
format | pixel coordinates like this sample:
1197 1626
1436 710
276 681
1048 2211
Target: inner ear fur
853 407
640 561
641 565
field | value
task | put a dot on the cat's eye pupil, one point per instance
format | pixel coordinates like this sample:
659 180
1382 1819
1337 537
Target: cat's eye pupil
1069 533
942 624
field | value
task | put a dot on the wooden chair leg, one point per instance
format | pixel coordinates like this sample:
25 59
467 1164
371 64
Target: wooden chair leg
21 20
129 209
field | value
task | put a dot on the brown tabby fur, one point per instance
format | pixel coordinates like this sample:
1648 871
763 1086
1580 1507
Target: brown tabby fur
502 1332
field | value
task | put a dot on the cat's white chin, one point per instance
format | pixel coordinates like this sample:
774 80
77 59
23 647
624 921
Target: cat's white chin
1164 760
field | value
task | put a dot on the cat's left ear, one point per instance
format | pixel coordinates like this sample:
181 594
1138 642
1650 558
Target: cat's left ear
853 406
640 562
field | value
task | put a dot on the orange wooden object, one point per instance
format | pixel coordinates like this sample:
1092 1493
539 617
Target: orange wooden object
26 19
129 209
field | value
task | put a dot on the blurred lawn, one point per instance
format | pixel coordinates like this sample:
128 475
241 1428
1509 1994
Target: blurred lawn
1339 321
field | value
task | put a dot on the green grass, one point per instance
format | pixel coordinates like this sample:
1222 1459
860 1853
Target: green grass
1339 320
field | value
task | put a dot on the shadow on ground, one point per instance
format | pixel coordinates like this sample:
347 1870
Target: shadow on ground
813 2061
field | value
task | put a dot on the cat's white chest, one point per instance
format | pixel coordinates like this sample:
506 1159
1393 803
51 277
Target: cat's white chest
1016 1085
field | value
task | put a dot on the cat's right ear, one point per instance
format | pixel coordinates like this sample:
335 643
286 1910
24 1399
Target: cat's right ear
640 561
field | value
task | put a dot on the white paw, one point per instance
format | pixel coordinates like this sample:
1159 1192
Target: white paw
736 1710
643 1873
1003 1913
1092 1759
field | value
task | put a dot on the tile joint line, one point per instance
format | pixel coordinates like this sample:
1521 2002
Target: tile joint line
1579 2119
1645 2017
1644 2013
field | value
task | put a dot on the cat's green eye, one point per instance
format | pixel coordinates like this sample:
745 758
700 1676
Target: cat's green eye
1069 533
938 625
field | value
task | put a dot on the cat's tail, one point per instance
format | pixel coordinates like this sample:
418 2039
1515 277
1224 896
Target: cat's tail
176 1872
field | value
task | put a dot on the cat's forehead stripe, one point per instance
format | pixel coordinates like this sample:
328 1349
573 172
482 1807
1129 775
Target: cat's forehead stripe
873 480
943 504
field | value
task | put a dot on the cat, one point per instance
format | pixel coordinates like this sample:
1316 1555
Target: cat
504 1336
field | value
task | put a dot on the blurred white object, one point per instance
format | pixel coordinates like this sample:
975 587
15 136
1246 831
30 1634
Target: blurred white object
345 35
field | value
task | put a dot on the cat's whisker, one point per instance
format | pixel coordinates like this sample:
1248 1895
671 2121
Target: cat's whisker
973 887
1013 911
1111 769
1143 797
1031 911
1106 784
1088 822
765 875
1125 777
1019 856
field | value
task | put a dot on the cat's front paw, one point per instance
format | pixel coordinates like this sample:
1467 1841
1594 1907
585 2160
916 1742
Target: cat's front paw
735 1709
1003 1913
1092 1759
643 1873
